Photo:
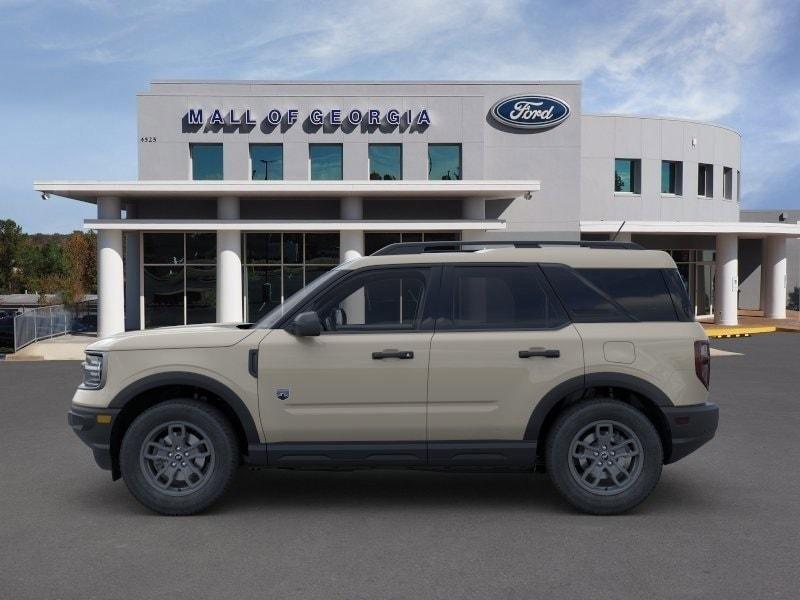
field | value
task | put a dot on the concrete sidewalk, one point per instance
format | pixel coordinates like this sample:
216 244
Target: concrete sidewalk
65 347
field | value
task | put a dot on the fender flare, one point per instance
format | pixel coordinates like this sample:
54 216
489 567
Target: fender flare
581 383
231 399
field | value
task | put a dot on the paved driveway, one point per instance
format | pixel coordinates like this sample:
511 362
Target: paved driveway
723 523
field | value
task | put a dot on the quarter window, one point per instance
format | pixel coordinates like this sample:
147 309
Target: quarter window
705 180
671 177
642 293
266 162
206 161
627 175
444 161
385 162
498 297
325 161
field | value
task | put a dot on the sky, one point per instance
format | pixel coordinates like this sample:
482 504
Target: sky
70 70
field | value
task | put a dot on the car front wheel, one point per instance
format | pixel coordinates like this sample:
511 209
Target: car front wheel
178 457
604 456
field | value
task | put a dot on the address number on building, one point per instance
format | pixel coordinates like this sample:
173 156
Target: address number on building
147 139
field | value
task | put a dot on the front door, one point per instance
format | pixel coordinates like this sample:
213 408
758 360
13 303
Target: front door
364 379
502 342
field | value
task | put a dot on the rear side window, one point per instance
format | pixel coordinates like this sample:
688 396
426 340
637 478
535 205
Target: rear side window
585 302
680 296
500 297
643 293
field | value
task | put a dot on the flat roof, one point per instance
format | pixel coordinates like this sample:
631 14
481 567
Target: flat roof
89 191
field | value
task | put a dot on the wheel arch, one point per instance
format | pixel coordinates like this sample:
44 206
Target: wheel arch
632 390
154 389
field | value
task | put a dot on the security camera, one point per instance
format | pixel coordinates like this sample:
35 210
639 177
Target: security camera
45 196
528 195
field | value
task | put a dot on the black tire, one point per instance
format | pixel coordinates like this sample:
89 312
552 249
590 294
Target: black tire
579 461
194 481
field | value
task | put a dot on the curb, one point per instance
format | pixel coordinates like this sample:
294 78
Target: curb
736 332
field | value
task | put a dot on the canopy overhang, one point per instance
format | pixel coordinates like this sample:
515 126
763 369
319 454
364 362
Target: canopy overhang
90 191
741 228
291 225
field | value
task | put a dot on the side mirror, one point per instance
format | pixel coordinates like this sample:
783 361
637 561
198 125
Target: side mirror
306 324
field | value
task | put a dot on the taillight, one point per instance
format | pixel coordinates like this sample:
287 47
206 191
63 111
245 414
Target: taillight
702 361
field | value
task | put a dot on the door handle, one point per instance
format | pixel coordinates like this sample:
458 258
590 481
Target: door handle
544 352
401 354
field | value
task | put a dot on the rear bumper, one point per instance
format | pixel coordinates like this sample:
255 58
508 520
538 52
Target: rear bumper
690 427
96 435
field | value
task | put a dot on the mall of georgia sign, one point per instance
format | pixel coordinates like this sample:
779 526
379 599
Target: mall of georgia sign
530 112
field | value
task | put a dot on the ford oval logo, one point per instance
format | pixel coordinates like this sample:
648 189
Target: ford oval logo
530 112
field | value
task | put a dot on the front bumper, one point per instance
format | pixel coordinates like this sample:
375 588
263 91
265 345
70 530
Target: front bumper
93 426
690 427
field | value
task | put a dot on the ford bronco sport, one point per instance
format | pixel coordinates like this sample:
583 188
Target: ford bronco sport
582 359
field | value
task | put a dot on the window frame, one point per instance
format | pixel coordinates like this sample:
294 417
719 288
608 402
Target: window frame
270 144
708 173
193 145
635 176
460 158
326 144
369 160
425 322
678 179
442 315
727 183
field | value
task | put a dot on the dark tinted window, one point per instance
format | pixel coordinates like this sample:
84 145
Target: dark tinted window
494 297
641 292
585 302
680 296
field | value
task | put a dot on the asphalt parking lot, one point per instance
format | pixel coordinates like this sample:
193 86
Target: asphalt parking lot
723 523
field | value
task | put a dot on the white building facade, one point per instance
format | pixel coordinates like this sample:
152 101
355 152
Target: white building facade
247 191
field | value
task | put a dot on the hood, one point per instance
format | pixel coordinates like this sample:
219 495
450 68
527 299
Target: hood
175 338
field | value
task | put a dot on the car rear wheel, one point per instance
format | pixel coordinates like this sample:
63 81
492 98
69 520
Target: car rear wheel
604 456
178 457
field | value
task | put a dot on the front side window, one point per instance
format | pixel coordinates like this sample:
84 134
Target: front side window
266 162
627 175
375 300
206 161
325 161
705 180
671 176
499 297
444 161
385 162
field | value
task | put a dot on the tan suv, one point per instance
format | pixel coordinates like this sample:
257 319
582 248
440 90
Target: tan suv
582 359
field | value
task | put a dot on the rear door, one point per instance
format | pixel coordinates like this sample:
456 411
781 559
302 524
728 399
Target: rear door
502 342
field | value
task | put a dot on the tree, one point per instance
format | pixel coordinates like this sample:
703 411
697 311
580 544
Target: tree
11 241
80 254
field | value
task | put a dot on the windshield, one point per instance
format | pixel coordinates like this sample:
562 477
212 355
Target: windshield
269 320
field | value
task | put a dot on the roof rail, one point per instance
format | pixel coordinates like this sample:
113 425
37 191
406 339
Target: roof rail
475 245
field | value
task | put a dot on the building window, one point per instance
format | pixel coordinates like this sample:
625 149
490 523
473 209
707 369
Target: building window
627 175
325 161
671 177
705 180
180 278
276 265
727 183
738 186
266 162
206 161
374 241
444 161
385 162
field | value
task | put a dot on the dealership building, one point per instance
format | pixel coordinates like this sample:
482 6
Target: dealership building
248 190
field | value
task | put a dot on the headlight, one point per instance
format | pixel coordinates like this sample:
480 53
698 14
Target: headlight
92 371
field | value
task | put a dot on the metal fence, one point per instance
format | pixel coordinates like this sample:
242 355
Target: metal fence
50 321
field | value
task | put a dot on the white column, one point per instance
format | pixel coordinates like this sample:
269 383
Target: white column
351 243
229 265
131 274
473 209
726 282
774 272
110 278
